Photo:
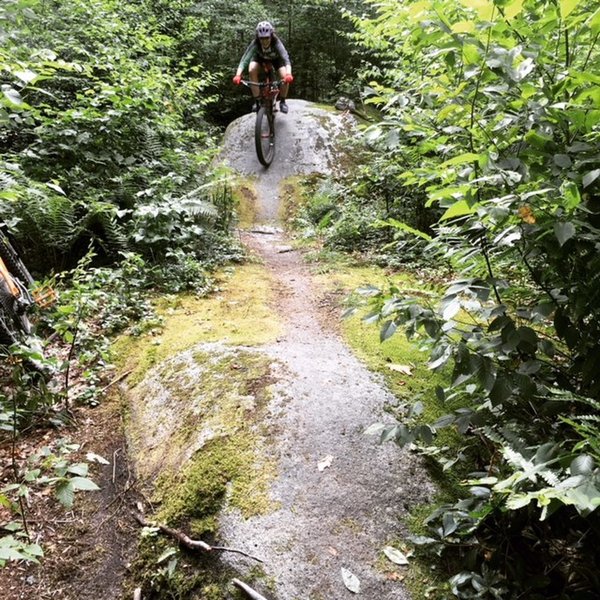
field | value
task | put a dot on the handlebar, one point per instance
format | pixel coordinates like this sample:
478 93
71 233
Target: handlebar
276 83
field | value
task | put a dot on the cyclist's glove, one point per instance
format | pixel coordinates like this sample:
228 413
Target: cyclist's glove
237 79
288 78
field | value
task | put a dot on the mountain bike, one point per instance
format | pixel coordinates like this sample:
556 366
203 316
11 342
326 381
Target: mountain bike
264 129
15 295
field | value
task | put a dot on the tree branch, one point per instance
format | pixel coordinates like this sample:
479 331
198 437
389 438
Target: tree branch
253 594
187 541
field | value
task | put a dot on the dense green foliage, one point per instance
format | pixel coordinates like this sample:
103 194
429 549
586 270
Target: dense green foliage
485 158
97 146
109 121
491 114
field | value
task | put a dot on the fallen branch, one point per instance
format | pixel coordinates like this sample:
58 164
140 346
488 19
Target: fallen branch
137 595
188 542
116 380
249 591
108 385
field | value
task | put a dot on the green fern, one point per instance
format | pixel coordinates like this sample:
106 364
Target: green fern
101 222
48 218
151 146
199 209
7 181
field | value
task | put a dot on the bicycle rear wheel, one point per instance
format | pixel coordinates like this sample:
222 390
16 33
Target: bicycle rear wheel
264 136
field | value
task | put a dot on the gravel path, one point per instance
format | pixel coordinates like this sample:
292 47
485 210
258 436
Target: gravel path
339 516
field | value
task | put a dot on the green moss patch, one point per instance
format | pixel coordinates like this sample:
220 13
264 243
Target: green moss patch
198 428
201 407
244 192
238 314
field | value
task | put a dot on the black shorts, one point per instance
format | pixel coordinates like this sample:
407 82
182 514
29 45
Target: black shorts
277 63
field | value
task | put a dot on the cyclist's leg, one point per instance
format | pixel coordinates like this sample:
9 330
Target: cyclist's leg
283 91
281 70
254 70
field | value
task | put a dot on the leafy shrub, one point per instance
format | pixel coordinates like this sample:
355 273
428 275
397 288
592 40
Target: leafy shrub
489 107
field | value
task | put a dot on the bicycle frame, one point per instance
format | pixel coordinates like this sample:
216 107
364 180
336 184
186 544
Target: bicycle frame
268 89
10 282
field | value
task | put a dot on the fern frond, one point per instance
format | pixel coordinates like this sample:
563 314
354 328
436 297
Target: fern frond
550 477
102 222
7 181
151 145
51 218
200 209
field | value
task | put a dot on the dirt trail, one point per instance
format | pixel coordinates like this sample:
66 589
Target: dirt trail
343 515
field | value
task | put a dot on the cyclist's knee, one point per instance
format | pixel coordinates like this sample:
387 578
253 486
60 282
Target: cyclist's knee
254 69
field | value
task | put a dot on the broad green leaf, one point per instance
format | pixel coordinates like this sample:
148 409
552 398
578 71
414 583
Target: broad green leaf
563 161
484 8
13 96
12 553
418 8
513 9
451 310
537 140
449 523
56 188
463 27
458 209
590 177
594 22
395 555
564 231
65 492
585 498
83 483
351 581
524 68
34 550
468 157
448 192
582 465
375 429
567 7
471 54
78 469
571 195
26 75
501 391
388 330
517 501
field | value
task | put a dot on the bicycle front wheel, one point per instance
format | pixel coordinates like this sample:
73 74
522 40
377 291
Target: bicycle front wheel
264 136
13 323
13 261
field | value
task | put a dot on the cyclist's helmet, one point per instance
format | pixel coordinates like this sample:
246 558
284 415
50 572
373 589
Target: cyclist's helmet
264 29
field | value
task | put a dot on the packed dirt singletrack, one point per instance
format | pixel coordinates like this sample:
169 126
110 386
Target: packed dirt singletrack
341 495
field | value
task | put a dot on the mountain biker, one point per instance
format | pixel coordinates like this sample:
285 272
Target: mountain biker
266 47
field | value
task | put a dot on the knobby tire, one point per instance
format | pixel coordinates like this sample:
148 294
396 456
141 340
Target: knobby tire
264 136
13 322
14 263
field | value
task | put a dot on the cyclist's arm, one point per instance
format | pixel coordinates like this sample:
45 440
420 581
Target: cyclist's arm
247 58
285 57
